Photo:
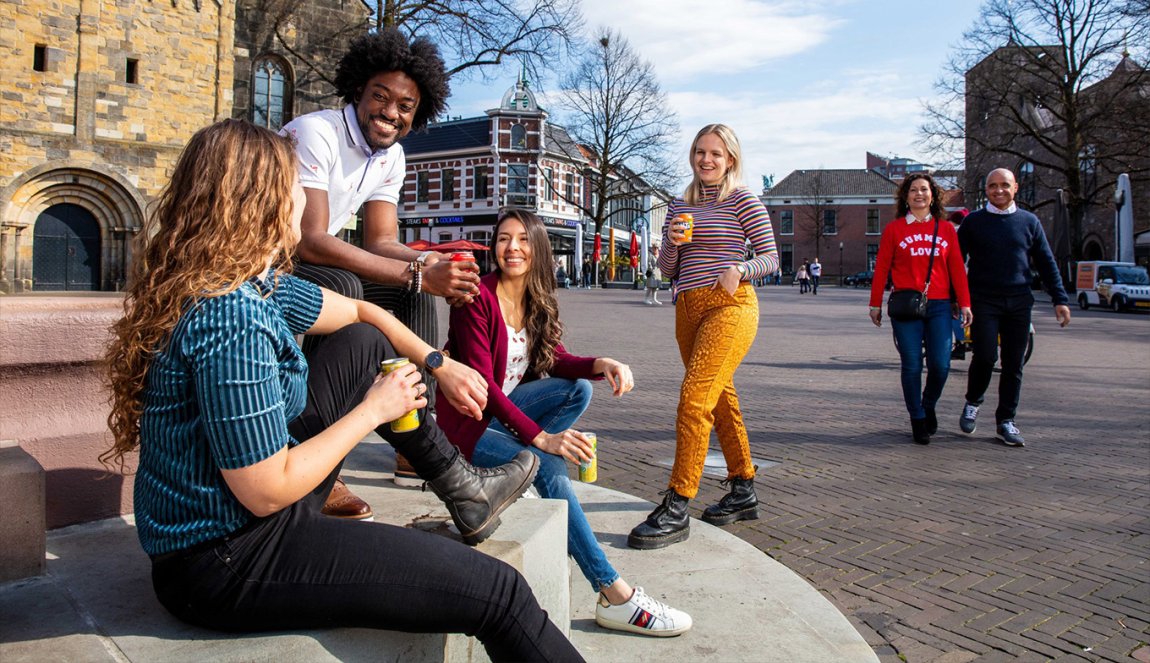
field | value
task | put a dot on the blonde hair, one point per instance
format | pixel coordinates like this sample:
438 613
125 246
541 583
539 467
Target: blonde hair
734 177
225 212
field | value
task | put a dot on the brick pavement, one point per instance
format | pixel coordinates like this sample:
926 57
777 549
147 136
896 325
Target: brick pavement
964 550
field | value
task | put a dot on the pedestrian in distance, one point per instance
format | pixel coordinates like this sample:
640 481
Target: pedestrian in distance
1000 242
350 159
716 318
652 289
804 278
816 272
587 267
240 438
919 250
536 391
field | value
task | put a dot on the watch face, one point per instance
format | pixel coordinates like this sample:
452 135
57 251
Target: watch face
434 360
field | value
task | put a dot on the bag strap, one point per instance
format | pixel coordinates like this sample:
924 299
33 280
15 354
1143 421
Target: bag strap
930 264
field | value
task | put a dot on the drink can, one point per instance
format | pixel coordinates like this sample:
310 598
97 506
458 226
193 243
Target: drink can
409 421
589 471
689 231
463 256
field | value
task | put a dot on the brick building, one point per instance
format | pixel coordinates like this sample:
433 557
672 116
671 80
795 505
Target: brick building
100 97
836 215
460 172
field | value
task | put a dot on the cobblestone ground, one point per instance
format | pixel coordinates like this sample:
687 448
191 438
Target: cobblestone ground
963 550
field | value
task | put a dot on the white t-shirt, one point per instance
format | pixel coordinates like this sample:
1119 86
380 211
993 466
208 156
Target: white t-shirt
334 157
816 269
516 358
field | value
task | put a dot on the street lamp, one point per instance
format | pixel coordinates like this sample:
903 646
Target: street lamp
842 279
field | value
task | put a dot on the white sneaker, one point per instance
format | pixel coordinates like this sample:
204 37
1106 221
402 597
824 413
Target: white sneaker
641 614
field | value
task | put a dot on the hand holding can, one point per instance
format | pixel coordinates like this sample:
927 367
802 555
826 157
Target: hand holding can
409 421
589 470
685 223
465 256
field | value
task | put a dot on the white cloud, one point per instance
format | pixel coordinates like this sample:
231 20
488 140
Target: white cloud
684 39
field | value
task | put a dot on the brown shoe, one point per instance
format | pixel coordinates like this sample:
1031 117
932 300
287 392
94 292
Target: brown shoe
342 503
405 474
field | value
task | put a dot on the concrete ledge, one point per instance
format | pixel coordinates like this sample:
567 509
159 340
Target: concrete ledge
21 514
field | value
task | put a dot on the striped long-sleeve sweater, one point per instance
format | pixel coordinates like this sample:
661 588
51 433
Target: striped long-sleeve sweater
722 229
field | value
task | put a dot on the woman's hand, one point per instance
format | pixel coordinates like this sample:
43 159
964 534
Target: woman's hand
729 279
966 316
570 444
876 315
393 395
676 233
463 386
617 373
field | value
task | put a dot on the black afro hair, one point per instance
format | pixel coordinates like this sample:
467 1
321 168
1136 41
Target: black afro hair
389 50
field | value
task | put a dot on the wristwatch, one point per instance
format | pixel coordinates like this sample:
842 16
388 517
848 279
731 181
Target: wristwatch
433 360
742 269
422 258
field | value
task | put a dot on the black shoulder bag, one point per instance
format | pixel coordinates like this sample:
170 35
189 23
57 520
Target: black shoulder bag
906 304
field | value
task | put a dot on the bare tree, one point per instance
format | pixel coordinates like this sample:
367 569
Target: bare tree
478 34
817 211
616 110
1051 84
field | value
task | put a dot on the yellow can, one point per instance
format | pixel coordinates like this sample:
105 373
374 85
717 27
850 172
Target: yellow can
409 421
589 471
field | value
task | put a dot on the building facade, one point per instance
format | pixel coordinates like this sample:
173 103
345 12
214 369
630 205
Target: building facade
836 215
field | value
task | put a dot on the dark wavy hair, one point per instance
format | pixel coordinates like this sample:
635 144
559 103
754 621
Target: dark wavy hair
540 307
389 50
936 208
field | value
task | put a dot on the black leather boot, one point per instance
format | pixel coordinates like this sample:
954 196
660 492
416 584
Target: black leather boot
475 496
918 429
739 504
931 422
667 524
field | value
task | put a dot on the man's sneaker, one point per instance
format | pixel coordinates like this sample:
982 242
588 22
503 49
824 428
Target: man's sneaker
641 614
1009 434
969 419
405 474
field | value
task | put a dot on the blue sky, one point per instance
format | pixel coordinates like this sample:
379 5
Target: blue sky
803 84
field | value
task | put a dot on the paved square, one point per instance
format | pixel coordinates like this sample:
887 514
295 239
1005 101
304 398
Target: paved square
957 551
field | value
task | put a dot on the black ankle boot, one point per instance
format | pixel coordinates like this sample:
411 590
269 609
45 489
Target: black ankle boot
918 429
667 524
475 496
931 422
739 504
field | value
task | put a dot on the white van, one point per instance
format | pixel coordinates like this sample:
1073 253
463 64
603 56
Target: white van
1118 285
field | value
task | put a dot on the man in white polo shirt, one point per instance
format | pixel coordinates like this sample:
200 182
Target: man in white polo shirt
351 158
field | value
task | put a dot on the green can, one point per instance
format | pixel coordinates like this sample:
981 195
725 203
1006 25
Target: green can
589 471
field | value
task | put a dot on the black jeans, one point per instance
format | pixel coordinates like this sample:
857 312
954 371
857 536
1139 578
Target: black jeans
1005 321
299 569
415 311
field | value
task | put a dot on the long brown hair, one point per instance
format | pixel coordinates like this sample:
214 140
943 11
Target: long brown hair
225 212
540 308
936 208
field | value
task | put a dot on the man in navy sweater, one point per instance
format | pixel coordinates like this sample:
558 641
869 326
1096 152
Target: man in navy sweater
999 243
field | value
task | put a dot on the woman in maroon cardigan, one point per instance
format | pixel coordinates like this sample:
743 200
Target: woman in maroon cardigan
536 391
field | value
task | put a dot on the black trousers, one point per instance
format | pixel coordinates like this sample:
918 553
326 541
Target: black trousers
415 311
998 321
298 569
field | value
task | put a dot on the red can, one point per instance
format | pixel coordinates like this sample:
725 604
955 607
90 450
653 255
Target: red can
463 256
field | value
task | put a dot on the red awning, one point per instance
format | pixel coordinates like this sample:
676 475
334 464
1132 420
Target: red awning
420 245
460 245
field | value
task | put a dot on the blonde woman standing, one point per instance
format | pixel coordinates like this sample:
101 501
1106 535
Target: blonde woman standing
716 317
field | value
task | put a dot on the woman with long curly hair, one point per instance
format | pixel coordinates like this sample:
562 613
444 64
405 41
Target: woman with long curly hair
716 318
920 249
536 391
240 439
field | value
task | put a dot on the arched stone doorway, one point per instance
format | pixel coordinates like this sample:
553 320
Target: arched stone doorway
1092 249
66 249
89 217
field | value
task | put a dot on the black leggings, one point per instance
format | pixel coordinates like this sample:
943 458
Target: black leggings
299 569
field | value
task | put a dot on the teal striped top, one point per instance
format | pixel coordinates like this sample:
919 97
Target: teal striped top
719 240
219 396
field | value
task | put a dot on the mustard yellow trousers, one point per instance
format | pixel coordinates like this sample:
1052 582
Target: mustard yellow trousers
715 330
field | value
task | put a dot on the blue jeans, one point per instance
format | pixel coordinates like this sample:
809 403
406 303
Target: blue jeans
555 404
934 332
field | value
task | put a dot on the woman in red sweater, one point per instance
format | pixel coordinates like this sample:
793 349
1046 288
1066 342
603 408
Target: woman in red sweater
905 254
536 391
